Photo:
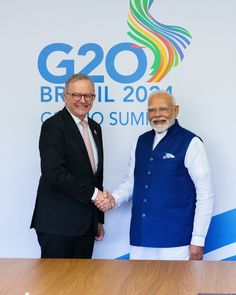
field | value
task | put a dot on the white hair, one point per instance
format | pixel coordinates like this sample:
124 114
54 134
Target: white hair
160 93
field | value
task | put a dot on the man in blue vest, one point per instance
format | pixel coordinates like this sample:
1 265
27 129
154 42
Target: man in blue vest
169 181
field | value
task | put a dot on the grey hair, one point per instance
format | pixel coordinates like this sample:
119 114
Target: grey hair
160 93
77 77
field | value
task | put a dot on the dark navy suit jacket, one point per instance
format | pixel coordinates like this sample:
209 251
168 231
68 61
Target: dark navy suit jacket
63 204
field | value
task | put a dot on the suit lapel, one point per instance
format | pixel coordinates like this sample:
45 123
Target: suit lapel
74 131
97 140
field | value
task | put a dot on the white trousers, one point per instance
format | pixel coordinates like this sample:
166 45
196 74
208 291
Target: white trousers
147 253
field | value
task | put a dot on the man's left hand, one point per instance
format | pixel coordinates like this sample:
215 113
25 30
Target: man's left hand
195 252
101 232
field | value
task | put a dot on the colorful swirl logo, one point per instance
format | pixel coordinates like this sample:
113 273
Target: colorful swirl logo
166 42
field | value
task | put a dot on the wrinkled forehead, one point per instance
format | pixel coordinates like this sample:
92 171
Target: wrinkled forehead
79 83
160 99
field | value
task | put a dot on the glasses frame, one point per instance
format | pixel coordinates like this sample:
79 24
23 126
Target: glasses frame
88 97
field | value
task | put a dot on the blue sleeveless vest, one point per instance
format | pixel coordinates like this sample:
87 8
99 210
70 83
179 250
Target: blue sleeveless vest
164 195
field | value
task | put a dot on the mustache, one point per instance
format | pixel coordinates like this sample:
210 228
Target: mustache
157 118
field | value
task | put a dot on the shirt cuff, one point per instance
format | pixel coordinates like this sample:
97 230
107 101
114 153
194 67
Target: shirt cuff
117 199
198 241
94 196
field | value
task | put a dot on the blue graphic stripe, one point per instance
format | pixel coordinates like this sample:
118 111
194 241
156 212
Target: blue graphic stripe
123 257
232 258
222 231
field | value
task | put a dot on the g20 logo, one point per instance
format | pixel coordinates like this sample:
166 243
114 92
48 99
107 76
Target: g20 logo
68 65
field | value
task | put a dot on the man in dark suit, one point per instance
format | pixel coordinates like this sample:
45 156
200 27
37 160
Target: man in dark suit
65 217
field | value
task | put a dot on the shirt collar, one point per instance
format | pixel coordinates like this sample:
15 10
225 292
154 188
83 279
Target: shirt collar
76 119
160 135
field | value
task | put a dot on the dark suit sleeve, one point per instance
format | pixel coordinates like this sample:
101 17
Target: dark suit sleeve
99 175
57 166
100 217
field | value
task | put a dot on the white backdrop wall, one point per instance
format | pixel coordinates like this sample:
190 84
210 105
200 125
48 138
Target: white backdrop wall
79 32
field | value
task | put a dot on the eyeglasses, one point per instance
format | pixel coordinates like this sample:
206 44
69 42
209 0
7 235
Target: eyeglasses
161 109
88 97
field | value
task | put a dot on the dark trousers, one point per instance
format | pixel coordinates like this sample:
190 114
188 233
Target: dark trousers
54 246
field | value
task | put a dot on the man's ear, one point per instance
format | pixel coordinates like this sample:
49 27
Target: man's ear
176 111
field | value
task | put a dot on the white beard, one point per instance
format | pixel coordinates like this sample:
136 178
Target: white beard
160 128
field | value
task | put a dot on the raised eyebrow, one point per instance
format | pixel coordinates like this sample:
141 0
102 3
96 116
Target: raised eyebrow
154 107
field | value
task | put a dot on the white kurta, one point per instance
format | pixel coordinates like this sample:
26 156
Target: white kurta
197 164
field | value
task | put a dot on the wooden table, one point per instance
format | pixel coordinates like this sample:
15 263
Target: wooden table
68 276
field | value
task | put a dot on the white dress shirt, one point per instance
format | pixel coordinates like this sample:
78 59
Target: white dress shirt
197 164
93 144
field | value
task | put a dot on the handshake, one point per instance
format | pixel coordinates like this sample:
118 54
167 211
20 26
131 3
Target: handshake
104 201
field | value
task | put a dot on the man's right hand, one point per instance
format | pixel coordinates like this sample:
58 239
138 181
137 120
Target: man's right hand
104 201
